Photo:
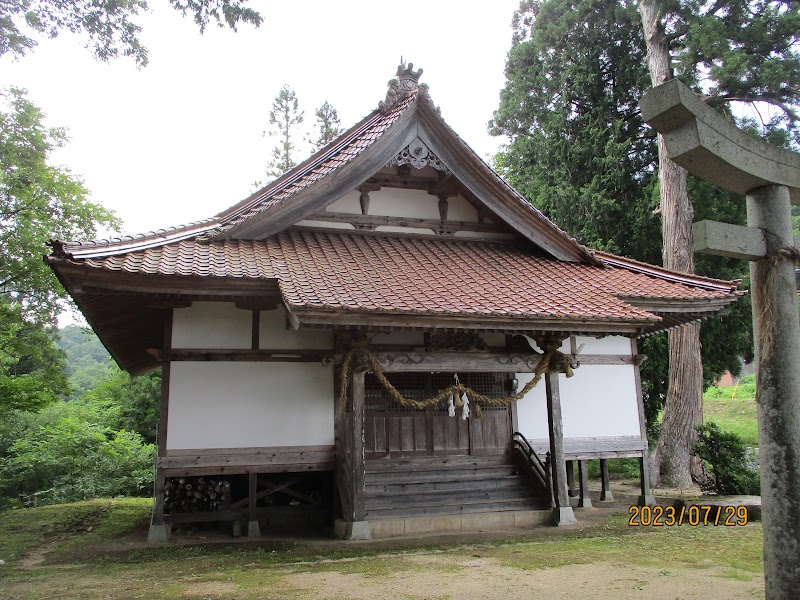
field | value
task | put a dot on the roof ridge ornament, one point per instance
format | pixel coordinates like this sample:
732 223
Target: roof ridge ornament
405 83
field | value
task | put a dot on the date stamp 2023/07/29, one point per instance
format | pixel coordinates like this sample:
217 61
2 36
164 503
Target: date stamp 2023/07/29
693 515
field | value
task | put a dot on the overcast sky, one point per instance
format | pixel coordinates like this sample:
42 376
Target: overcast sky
181 139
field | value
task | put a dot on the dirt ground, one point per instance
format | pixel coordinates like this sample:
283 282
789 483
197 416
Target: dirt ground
601 557
484 578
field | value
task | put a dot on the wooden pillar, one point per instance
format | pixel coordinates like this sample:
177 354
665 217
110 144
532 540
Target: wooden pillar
605 492
253 529
646 497
354 526
359 467
584 501
159 530
563 511
571 491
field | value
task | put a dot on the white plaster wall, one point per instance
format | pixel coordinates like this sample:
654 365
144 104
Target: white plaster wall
393 202
612 344
324 224
217 325
349 203
396 229
273 334
459 209
244 405
532 410
599 401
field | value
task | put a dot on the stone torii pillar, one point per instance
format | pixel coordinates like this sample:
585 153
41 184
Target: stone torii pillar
711 148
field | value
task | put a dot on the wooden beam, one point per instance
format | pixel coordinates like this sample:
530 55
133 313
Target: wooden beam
290 459
451 322
433 224
244 355
563 510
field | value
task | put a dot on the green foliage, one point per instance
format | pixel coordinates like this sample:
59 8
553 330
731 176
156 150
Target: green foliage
577 145
71 451
328 126
580 152
109 24
284 117
37 202
135 400
740 51
725 455
31 373
94 377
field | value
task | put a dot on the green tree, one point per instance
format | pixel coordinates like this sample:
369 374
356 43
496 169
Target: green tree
31 374
134 402
284 117
38 202
580 151
577 145
71 451
328 126
110 25
743 51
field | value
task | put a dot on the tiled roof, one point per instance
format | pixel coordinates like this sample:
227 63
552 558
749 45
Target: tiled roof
396 274
321 164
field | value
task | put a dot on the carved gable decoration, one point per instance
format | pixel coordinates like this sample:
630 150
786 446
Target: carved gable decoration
418 155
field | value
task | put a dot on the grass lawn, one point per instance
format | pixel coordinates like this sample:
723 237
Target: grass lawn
93 550
735 414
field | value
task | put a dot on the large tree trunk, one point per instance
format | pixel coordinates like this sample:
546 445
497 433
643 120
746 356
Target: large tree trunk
684 405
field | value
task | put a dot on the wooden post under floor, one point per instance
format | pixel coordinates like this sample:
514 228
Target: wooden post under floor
253 529
563 511
571 491
584 501
605 492
159 531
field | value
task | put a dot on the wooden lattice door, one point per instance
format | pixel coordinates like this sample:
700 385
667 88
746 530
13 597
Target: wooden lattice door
391 429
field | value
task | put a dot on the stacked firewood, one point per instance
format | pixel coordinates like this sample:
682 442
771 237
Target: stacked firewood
196 494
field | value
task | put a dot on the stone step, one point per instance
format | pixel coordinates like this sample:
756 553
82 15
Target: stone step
388 525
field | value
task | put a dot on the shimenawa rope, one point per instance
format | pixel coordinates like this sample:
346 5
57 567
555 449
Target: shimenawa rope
476 399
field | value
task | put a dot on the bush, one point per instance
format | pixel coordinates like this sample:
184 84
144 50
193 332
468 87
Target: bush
726 458
70 451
